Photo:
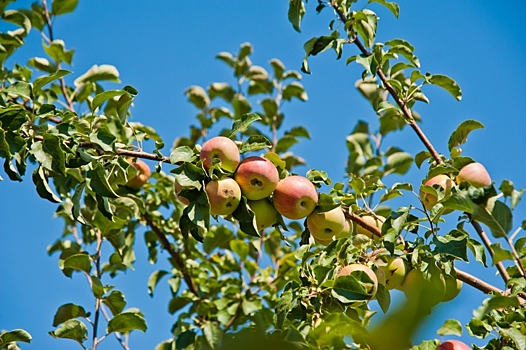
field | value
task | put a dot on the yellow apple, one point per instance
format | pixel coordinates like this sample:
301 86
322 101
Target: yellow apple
394 271
325 226
224 196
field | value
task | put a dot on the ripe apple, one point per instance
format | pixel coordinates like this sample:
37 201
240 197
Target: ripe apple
177 189
223 148
453 287
370 287
429 291
257 177
475 174
224 196
394 271
295 197
377 221
429 199
346 232
142 176
324 226
265 213
453 345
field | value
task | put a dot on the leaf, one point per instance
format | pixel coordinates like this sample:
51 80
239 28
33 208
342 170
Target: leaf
22 89
500 254
182 154
67 312
105 96
255 143
495 302
60 7
460 135
294 89
115 302
126 322
446 83
79 262
245 217
296 13
98 182
518 338
460 201
241 124
326 203
103 138
391 6
478 250
383 297
177 303
454 246
496 215
348 289
5 151
399 163
18 18
213 334
71 329
57 50
14 335
42 186
450 327
154 279
51 145
42 81
197 95
104 72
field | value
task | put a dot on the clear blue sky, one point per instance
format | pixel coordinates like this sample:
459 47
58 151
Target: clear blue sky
161 47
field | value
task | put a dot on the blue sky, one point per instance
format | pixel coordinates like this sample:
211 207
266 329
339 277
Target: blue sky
162 49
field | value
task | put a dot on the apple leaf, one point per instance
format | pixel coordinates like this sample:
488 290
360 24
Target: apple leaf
496 215
243 123
126 322
13 336
447 84
154 279
391 6
383 297
460 135
460 201
348 288
500 254
71 329
67 312
255 143
42 185
245 217
296 13
450 327
454 246
115 301
494 303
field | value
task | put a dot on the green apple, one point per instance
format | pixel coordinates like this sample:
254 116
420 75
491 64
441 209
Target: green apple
371 288
453 345
295 197
265 213
346 232
394 270
257 177
224 196
222 148
453 287
474 173
325 226
376 221
142 176
430 200
428 289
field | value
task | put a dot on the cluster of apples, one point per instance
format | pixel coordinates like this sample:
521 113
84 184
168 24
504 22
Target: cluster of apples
474 173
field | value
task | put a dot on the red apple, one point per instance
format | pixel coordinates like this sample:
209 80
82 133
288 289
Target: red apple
257 177
429 199
224 196
142 176
376 221
177 189
325 226
295 197
223 148
453 345
372 287
475 174
265 213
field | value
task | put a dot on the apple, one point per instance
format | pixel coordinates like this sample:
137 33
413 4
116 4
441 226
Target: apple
346 232
475 174
453 345
428 291
453 287
377 221
265 213
257 177
429 199
223 148
224 196
394 271
295 197
142 176
324 226
370 287
177 189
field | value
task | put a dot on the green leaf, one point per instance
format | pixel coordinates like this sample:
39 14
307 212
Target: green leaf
105 96
478 250
42 186
326 203
98 182
79 262
494 303
383 297
460 201
18 18
255 143
115 302
96 287
399 163
518 338
213 334
43 64
240 248
154 279
460 135
391 6
296 13
60 7
450 327
96 73
22 89
52 146
126 322
454 246
245 217
446 83
500 254
241 124
5 151
42 81
71 329
197 95
103 138
182 154
14 335
496 215
57 50
177 303
67 312
348 289
294 89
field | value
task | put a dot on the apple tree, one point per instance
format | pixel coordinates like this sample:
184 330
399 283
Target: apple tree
259 252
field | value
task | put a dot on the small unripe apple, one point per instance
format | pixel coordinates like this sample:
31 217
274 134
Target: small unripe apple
370 287
295 197
265 213
324 226
453 345
394 271
377 221
429 291
142 176
429 199
453 287
177 189
257 177
222 148
474 173
224 196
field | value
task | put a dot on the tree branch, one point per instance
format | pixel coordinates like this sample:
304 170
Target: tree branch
174 254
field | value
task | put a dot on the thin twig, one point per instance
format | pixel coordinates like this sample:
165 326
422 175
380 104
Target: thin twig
355 218
97 300
234 316
516 256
